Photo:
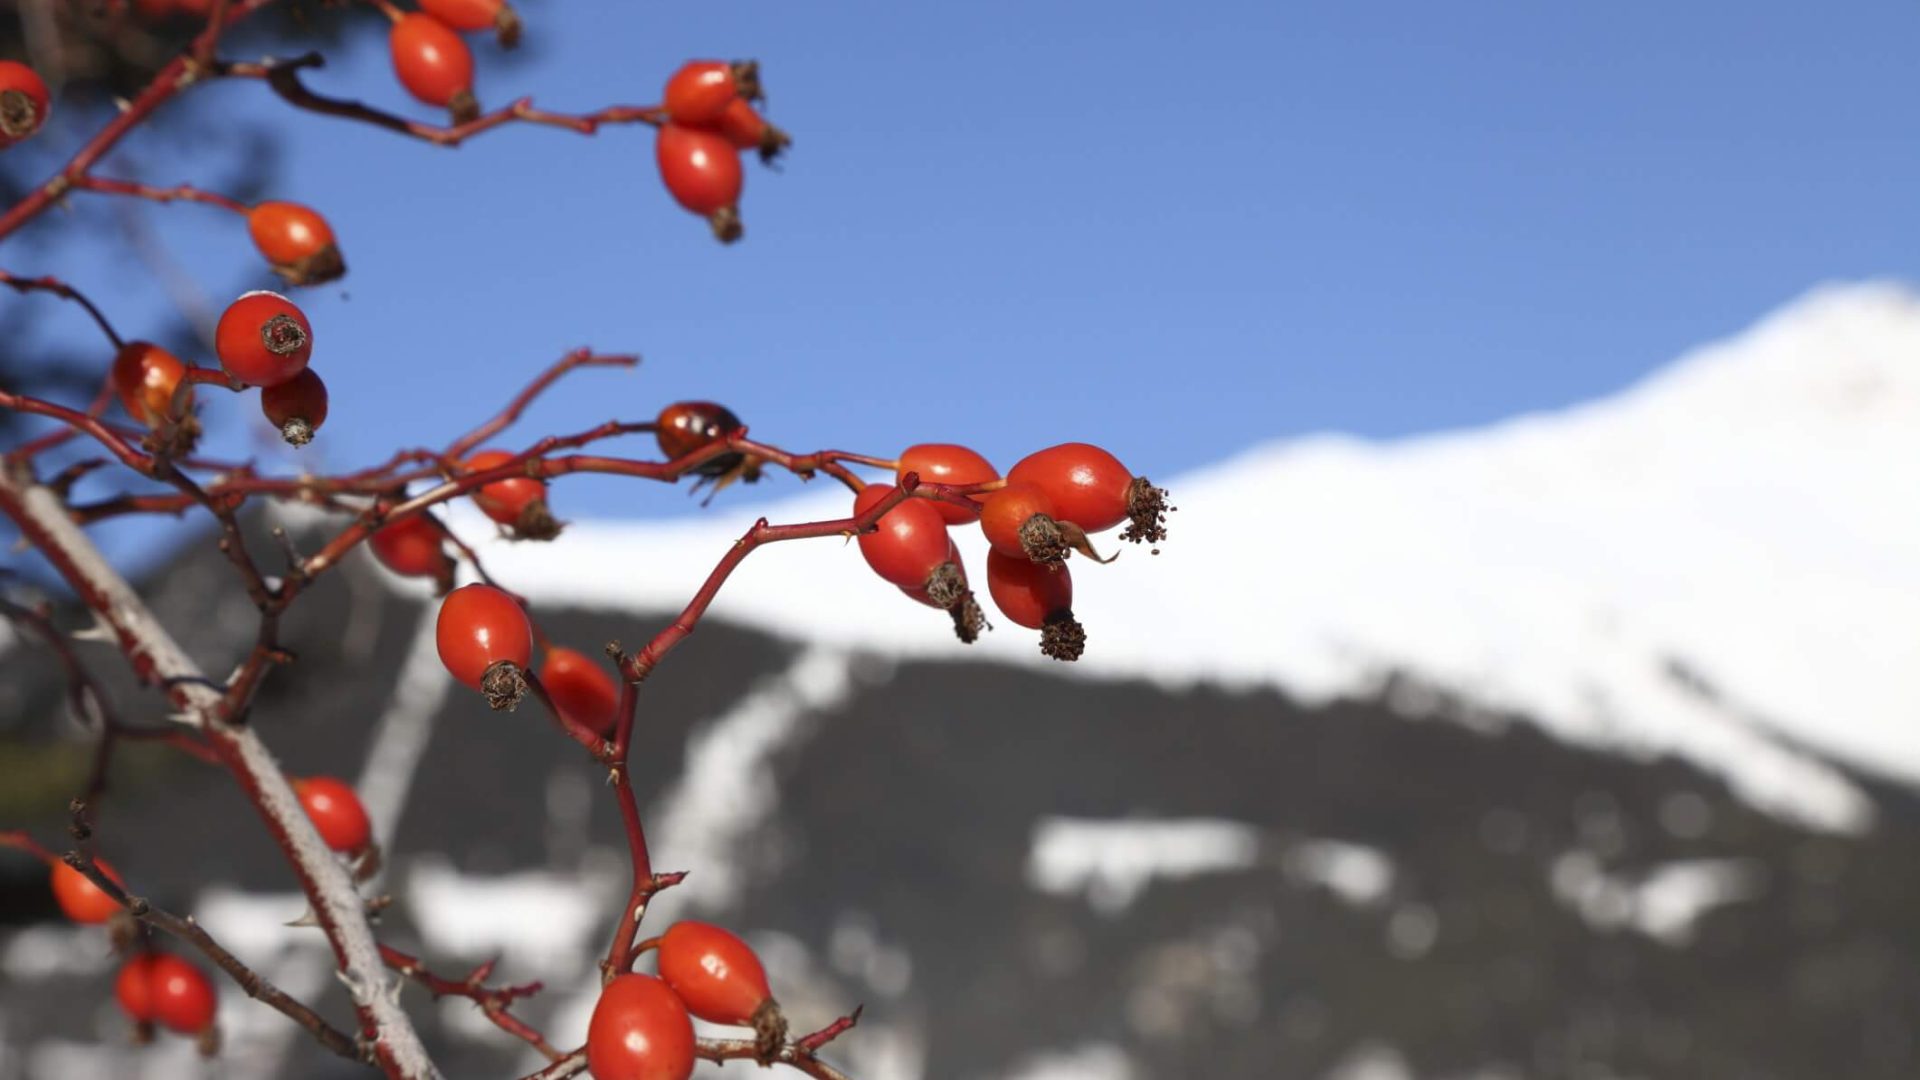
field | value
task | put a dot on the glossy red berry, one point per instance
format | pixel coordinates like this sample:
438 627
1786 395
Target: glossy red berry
145 377
434 64
519 502
746 129
1039 597
414 547
640 1031
336 812
582 690
133 987
1090 488
910 542
297 242
480 630
702 172
495 15
686 426
946 463
79 897
180 997
698 93
714 972
263 339
297 407
24 103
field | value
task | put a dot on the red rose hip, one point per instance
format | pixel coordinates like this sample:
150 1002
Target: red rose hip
263 339
640 1031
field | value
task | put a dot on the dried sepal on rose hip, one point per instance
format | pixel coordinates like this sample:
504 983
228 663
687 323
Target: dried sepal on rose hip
486 642
1019 520
722 981
296 407
517 502
969 622
640 1030
495 15
702 172
1038 597
1090 488
434 65
414 546
296 241
263 339
24 102
947 463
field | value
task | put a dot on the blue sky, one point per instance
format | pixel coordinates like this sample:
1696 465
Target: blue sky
1175 229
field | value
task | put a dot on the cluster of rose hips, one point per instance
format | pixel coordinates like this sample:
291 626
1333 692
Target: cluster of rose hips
263 339
1044 509
641 1028
153 987
710 119
158 989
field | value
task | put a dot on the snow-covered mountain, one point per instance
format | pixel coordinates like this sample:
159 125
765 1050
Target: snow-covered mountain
1572 746
1717 563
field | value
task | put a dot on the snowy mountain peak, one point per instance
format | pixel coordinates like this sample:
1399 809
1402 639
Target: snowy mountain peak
1712 564
1841 352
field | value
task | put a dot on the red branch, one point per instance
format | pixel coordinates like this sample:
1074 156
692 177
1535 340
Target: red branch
495 1002
284 77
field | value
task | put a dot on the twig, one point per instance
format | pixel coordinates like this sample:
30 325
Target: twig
255 986
284 77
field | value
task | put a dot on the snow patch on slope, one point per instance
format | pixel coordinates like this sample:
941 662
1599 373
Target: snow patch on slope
1738 514
1113 861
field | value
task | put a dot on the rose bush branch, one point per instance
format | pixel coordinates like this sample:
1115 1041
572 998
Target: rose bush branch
157 660
283 76
496 1002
